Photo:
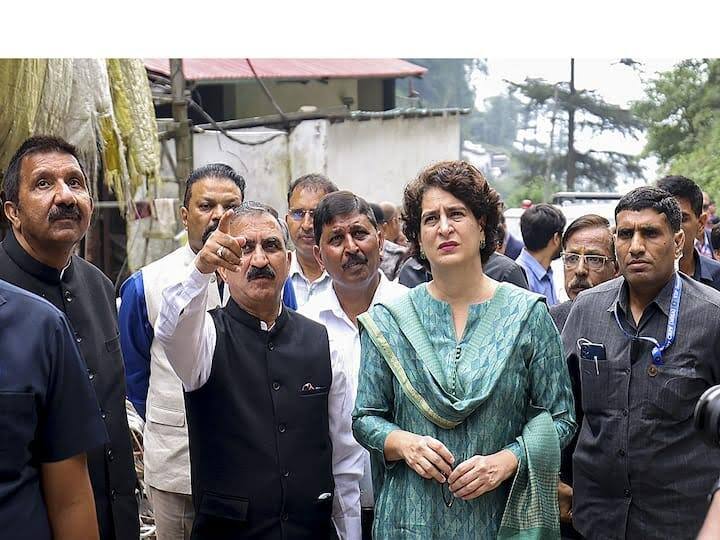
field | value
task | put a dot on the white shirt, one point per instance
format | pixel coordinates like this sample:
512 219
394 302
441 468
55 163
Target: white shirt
345 349
187 333
304 288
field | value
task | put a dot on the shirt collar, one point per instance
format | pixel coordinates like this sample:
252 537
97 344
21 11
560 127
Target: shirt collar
295 269
662 300
31 265
239 314
328 300
537 269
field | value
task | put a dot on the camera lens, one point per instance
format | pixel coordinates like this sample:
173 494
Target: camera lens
707 415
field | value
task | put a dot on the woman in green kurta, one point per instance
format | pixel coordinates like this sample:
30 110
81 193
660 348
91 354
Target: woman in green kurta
464 397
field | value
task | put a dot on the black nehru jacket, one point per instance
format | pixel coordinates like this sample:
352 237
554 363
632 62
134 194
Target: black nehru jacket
260 450
87 298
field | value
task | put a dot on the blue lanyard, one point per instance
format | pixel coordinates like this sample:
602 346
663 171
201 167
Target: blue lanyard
671 326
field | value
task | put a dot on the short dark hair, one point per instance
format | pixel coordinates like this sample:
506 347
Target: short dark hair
682 187
339 203
589 221
379 214
313 182
463 181
539 223
38 144
715 236
250 208
655 198
220 171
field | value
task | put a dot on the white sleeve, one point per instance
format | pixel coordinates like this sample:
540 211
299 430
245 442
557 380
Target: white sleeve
347 455
185 329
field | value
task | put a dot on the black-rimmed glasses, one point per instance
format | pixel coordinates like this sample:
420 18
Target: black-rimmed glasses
593 262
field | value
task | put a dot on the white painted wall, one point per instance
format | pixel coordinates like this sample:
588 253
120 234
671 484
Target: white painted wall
377 158
265 167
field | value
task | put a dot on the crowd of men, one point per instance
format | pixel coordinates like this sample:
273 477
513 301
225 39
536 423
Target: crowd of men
242 357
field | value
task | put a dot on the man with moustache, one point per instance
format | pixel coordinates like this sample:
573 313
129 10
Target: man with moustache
153 387
262 406
689 197
349 246
307 275
542 228
645 356
588 259
48 204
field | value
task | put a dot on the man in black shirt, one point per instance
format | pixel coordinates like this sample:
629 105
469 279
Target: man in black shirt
47 202
647 347
49 418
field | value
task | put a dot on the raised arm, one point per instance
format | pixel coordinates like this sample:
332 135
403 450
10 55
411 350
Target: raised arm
183 327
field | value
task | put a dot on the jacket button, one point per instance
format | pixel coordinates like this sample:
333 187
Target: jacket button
276 386
281 428
271 346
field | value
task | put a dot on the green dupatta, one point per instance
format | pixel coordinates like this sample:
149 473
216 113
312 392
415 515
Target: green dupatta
532 510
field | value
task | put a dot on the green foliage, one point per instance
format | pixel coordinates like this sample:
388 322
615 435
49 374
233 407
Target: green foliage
594 169
497 124
682 113
447 81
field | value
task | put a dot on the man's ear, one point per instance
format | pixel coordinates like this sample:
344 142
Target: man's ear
11 214
318 255
680 240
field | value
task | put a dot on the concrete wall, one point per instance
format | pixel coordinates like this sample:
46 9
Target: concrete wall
250 100
373 158
377 158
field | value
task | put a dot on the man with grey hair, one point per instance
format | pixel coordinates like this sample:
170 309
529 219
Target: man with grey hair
259 390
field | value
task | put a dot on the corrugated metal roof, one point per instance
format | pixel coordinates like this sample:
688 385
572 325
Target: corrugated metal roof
225 69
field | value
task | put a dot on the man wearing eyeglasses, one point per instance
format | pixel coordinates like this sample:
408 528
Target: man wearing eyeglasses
647 347
307 275
588 259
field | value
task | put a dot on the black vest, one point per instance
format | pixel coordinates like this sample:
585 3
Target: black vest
260 450
87 298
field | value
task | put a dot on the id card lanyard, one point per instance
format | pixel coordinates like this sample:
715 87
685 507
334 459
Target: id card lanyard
658 349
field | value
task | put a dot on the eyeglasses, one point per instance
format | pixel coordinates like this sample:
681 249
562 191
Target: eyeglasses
298 214
448 497
593 262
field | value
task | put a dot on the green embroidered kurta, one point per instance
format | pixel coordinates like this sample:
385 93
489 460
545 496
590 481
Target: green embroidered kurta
509 358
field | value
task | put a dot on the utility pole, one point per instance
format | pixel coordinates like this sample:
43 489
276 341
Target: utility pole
571 130
183 137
